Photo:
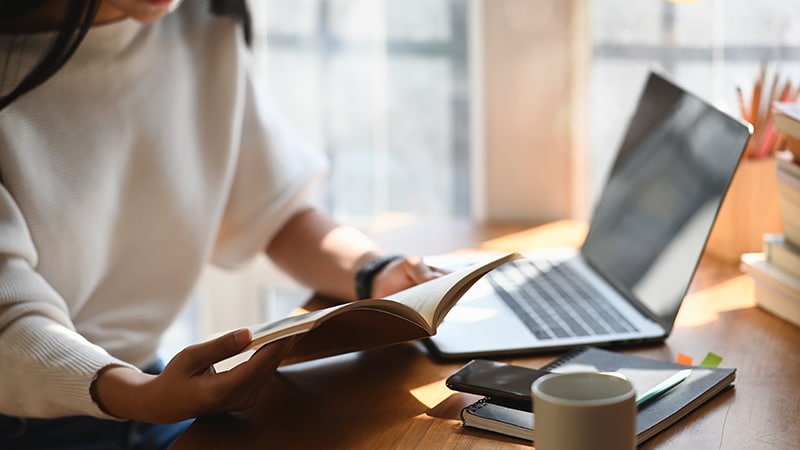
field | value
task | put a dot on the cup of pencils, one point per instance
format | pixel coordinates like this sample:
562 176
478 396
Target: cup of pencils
757 109
751 207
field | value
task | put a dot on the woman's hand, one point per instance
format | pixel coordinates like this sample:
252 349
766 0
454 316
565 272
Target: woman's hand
401 274
189 387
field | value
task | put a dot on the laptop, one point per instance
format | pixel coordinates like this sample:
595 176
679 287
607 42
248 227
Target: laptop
626 282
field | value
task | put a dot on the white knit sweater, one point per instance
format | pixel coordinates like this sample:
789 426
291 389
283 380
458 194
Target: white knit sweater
150 154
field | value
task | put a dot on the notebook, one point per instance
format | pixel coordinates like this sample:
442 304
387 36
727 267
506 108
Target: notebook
626 282
703 383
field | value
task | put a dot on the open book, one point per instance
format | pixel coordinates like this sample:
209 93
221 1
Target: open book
406 315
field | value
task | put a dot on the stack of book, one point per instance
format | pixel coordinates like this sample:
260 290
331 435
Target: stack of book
786 117
776 270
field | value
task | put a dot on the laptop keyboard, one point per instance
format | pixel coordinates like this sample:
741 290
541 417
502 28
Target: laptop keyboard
554 302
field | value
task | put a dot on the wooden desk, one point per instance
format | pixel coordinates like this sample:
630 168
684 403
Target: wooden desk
395 397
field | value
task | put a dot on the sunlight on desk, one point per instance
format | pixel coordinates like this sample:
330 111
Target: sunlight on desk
704 306
431 394
563 233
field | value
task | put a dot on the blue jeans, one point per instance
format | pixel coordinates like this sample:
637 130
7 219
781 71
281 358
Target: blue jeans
88 433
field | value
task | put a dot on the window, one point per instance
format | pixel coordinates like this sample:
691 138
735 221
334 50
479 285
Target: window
385 89
382 88
710 47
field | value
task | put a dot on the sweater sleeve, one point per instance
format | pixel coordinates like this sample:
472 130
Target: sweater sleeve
276 173
47 367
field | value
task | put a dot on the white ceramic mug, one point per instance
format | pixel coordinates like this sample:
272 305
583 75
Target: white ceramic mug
582 411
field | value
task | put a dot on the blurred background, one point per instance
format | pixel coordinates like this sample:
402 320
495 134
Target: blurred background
486 110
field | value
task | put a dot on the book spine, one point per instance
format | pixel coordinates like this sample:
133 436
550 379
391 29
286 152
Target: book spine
782 255
777 303
474 406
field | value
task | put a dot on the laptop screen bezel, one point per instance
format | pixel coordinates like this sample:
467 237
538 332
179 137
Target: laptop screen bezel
659 81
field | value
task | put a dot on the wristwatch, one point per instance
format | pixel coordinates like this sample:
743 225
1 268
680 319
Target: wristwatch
366 274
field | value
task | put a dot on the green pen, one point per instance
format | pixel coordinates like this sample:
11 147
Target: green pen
664 386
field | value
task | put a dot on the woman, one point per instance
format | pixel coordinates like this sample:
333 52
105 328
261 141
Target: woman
135 147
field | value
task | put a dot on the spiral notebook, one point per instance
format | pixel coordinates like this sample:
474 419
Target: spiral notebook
652 418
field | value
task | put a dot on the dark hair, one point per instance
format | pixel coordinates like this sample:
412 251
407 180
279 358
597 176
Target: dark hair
80 15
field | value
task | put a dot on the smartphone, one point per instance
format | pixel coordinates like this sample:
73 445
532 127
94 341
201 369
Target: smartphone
504 383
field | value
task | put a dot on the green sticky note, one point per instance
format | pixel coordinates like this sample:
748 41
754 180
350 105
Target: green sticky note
711 360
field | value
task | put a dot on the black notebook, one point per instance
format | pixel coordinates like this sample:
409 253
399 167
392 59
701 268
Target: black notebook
653 417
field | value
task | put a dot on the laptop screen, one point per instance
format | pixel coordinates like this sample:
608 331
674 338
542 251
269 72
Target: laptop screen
651 223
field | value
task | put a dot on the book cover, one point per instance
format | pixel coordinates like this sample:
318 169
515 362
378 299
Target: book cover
775 291
652 417
787 163
786 117
788 179
782 254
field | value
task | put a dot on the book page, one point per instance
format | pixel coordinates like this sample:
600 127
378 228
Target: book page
409 314
265 333
434 298
790 109
785 161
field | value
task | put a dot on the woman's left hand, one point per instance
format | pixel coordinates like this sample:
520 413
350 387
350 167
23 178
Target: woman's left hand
403 273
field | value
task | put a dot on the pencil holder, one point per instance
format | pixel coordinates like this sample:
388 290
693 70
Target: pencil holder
751 208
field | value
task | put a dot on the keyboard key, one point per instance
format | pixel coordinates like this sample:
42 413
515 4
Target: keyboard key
553 301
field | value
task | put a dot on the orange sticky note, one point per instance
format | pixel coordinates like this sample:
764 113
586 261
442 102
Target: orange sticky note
684 359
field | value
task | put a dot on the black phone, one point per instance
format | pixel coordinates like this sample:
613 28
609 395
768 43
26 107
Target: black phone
504 383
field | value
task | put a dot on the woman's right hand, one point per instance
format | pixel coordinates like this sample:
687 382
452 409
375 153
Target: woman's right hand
189 387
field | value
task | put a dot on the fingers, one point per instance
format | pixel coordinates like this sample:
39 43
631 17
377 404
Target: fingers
273 354
199 357
418 272
265 360
194 388
403 274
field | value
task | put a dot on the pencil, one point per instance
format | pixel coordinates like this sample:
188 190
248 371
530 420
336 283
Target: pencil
787 89
772 88
742 108
672 381
767 140
755 104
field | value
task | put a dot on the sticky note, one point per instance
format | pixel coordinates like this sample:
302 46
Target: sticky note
684 359
711 360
